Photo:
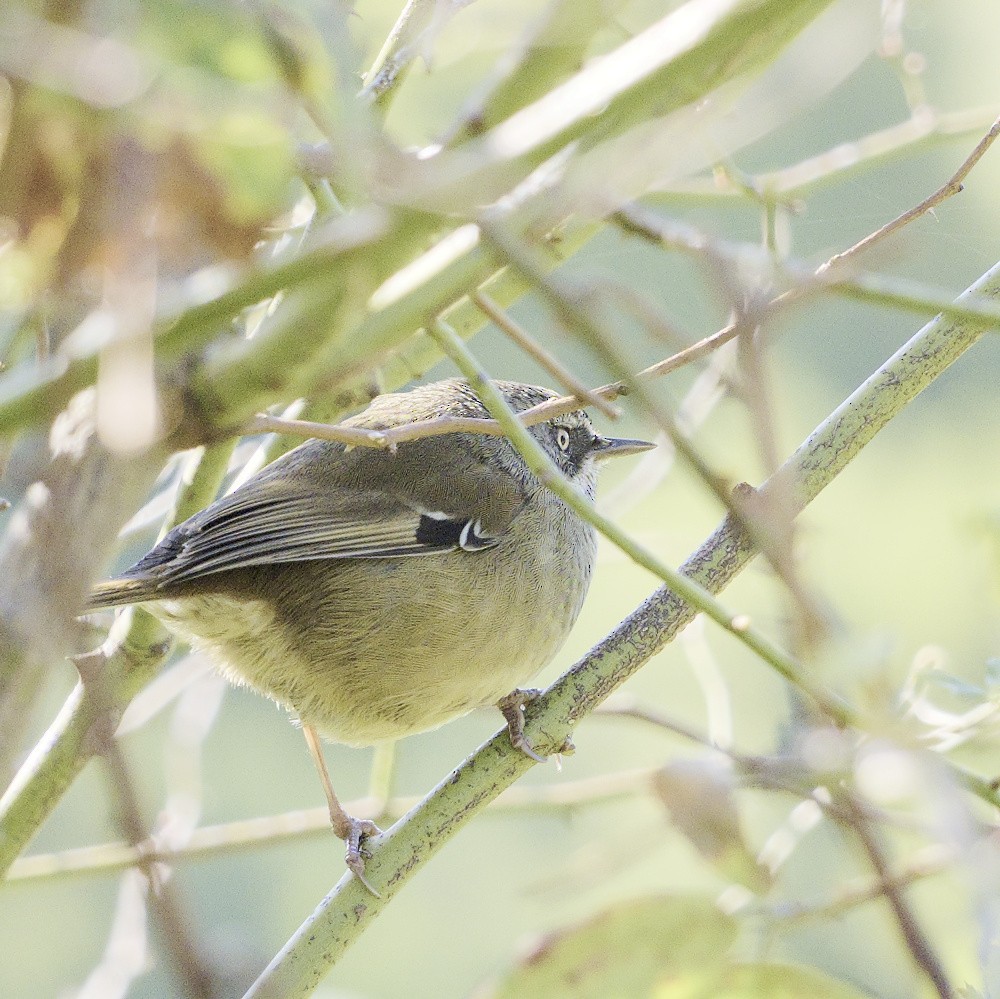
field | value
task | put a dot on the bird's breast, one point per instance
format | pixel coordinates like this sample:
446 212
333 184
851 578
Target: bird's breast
375 649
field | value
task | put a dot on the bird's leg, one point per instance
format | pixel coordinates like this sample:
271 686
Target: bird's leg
351 830
512 708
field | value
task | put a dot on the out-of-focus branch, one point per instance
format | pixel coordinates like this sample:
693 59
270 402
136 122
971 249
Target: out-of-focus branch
135 649
349 330
925 864
50 552
876 289
133 653
253 833
925 129
669 65
411 37
175 925
768 524
917 941
551 49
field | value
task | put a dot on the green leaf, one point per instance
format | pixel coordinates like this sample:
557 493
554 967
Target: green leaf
756 981
625 951
698 794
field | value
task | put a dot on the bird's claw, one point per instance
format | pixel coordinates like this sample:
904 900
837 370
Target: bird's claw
520 741
357 831
512 709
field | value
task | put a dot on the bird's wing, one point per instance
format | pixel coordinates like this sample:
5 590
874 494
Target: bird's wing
285 521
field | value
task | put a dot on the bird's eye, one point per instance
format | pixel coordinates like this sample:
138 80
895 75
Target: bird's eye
562 439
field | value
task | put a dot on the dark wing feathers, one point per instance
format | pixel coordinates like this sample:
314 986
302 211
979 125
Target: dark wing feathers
321 501
283 522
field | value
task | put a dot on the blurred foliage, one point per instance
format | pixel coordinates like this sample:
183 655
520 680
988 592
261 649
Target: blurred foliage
207 209
667 948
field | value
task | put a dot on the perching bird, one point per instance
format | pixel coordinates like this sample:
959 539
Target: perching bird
379 593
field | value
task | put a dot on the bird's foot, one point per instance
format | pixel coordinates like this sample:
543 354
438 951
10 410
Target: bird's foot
354 832
512 708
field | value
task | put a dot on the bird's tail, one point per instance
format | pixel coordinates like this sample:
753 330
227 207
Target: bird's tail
116 592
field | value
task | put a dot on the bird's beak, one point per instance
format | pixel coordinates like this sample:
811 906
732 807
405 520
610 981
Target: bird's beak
614 447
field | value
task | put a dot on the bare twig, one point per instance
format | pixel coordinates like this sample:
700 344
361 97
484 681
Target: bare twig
925 864
635 220
382 439
546 471
922 129
639 222
550 362
269 830
916 940
627 707
952 186
174 923
398 51
766 524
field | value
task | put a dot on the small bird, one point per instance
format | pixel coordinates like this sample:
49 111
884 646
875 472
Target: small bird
378 593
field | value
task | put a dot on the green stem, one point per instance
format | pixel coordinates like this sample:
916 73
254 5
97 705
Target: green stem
401 48
383 772
30 397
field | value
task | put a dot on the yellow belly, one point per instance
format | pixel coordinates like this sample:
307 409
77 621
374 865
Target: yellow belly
369 650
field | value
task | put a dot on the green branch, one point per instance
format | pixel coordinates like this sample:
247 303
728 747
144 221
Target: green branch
673 63
133 656
329 327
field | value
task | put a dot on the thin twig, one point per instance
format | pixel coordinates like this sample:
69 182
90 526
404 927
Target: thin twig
548 361
925 864
789 184
766 524
175 924
916 940
951 187
641 222
226 837
403 850
386 439
626 707
869 286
